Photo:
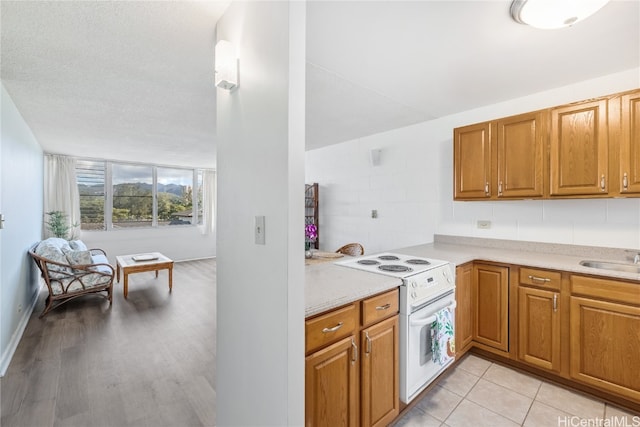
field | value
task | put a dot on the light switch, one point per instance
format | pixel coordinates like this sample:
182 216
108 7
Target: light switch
259 230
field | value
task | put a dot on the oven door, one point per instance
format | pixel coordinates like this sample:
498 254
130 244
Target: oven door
417 328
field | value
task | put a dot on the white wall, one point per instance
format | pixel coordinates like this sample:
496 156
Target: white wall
260 288
412 189
177 242
21 177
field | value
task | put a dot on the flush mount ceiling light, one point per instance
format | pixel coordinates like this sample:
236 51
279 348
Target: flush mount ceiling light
226 65
548 14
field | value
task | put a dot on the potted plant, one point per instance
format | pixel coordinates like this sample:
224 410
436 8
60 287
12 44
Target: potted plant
311 234
58 225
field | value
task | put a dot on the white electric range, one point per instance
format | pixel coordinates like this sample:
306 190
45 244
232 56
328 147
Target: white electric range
428 286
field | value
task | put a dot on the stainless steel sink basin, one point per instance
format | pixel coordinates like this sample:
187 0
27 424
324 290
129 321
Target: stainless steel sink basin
608 265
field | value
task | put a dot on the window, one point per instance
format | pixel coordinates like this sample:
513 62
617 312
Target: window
121 195
199 199
90 177
175 196
132 196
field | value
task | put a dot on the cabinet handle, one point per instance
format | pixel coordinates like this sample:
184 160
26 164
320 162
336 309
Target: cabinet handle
383 307
486 188
335 328
555 302
625 181
602 183
368 349
539 279
500 188
354 352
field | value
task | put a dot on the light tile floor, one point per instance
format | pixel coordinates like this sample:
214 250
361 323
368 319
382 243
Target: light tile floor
480 393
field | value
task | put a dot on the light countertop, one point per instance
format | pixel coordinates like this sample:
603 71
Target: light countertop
329 286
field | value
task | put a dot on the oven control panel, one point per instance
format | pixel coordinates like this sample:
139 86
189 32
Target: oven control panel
425 286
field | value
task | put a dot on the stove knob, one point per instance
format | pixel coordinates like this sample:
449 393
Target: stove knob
414 284
414 294
446 275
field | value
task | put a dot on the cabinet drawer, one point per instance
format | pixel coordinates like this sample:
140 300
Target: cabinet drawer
541 278
613 290
330 327
379 307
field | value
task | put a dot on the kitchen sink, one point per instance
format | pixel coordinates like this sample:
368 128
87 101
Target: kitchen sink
608 265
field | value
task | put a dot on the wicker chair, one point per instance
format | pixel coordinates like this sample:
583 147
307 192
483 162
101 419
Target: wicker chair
68 279
353 249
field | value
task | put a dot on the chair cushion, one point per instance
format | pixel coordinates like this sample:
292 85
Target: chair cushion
86 281
52 249
101 259
78 245
79 257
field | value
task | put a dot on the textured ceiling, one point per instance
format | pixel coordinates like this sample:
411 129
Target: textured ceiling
116 80
133 81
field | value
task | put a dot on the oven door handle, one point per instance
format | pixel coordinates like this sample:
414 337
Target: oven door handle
430 319
422 322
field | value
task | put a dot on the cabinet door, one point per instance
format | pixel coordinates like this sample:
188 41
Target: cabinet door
520 143
605 345
472 161
490 298
539 327
579 144
331 389
464 312
630 144
380 399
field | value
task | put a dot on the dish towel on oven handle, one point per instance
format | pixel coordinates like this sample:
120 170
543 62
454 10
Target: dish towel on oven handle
443 342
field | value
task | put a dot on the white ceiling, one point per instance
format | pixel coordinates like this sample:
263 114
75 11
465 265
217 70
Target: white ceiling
134 81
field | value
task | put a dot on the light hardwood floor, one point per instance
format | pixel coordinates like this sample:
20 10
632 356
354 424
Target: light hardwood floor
147 361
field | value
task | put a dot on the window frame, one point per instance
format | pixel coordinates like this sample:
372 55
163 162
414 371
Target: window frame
108 195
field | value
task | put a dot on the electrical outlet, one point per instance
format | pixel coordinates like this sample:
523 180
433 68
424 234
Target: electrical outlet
20 308
484 224
374 213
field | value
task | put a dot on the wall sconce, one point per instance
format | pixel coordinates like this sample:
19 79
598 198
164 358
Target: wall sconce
226 67
375 156
549 14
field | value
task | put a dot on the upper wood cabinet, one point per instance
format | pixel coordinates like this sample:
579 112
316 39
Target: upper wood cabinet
472 161
520 156
629 173
587 149
500 159
579 149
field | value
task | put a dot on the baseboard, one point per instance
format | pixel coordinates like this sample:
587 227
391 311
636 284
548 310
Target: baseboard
17 334
196 259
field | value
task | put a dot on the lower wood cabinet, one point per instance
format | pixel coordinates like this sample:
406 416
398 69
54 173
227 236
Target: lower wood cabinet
490 298
539 327
331 389
354 380
380 382
540 317
464 309
605 335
